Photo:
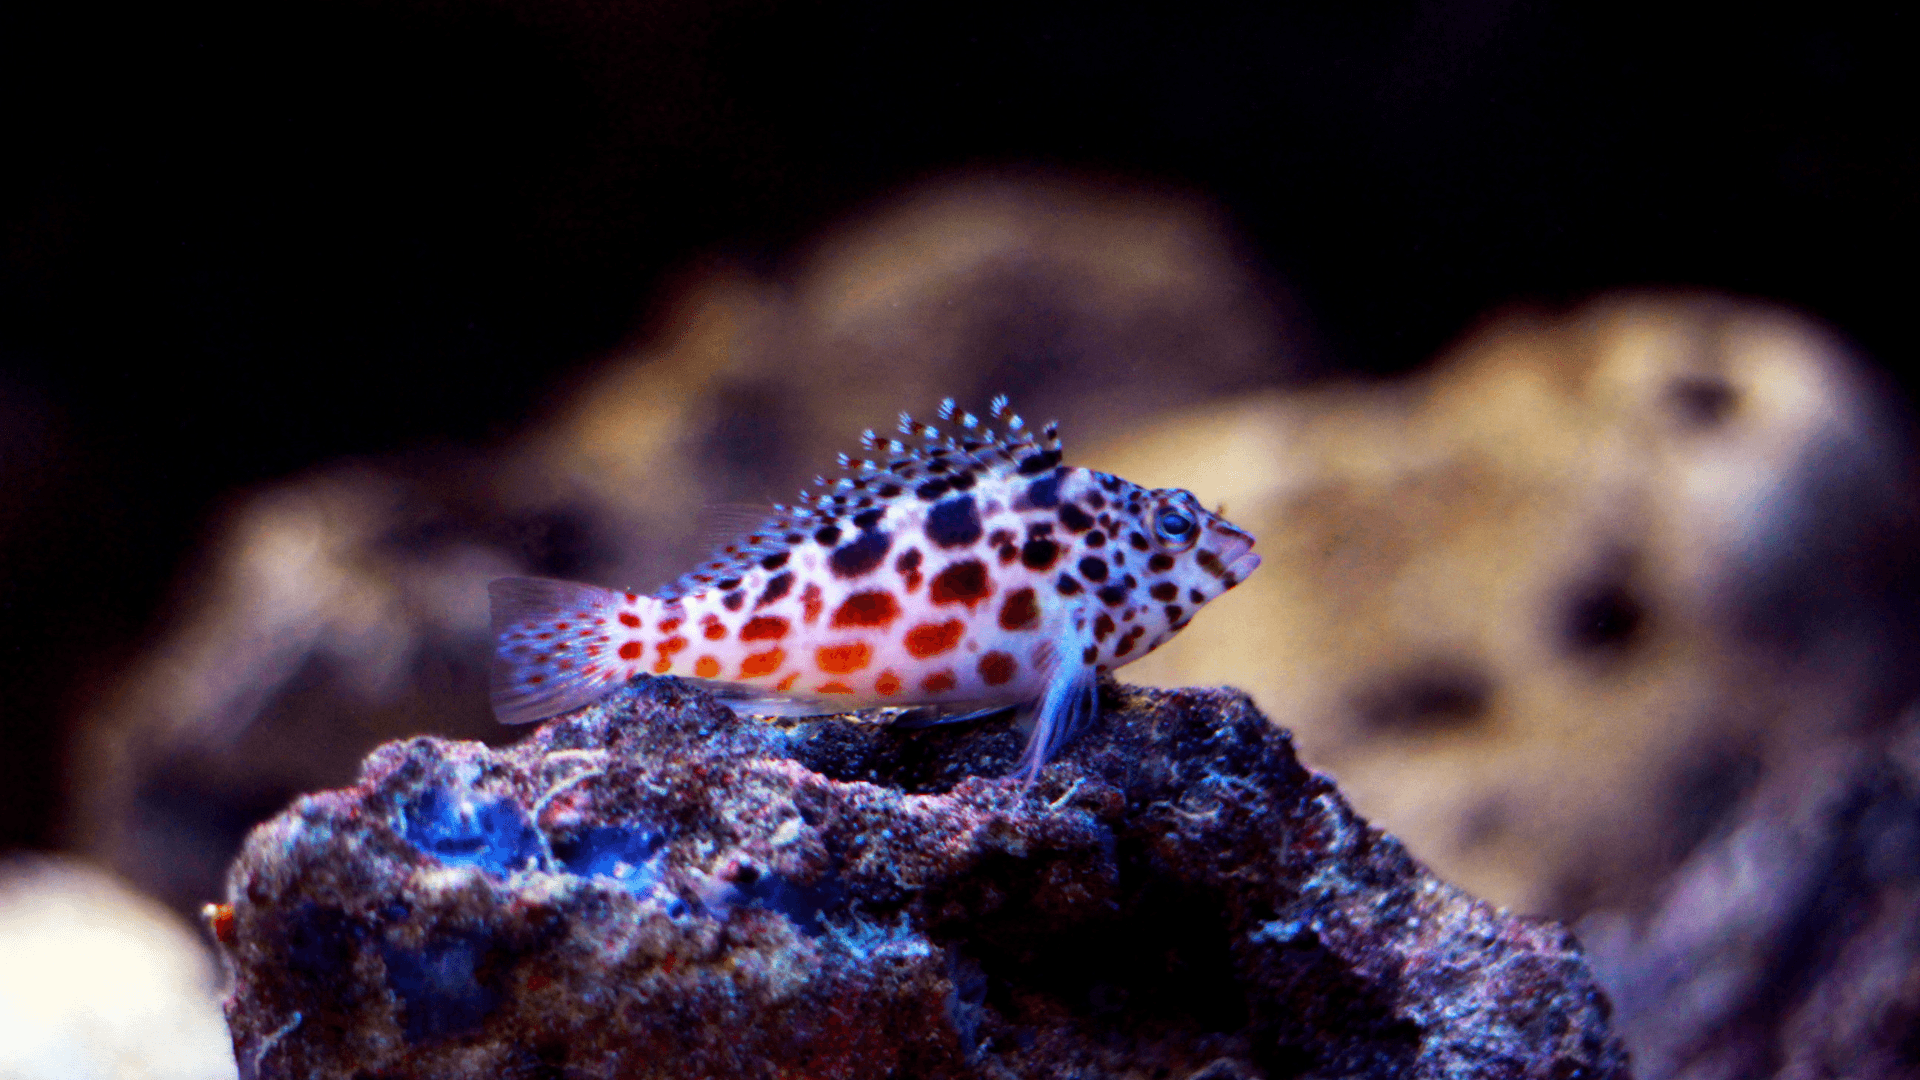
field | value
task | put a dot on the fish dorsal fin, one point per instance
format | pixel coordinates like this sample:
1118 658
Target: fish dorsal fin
894 468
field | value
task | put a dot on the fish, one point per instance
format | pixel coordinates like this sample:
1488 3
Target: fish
959 572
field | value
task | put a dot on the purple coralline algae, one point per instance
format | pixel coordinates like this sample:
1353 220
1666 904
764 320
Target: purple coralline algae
655 887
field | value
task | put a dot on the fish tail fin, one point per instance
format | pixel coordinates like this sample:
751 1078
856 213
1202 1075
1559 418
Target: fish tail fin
552 646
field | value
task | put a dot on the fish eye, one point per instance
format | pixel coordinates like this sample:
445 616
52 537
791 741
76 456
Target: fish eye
1174 526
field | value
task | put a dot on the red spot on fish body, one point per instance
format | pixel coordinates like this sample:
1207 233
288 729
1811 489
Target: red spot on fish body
873 608
962 583
932 639
810 603
786 684
843 659
764 627
887 684
712 628
706 667
1020 612
628 618
630 651
765 663
997 668
938 682
668 626
835 687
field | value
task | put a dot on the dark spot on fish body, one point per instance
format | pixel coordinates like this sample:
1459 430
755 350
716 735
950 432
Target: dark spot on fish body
1020 612
1113 595
888 491
1096 539
1089 654
777 586
1044 493
1102 626
1109 481
630 651
1165 591
826 536
962 583
810 602
1210 562
1074 518
1128 640
1067 585
1093 569
1039 554
997 668
734 599
1174 611
1039 530
1039 463
861 555
873 608
961 481
1138 541
866 521
1160 563
938 682
932 490
1097 500
908 561
954 523
774 561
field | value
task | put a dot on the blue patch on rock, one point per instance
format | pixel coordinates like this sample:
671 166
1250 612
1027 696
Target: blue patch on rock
622 852
439 985
465 829
803 904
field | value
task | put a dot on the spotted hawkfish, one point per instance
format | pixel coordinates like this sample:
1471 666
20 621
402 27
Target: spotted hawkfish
966 571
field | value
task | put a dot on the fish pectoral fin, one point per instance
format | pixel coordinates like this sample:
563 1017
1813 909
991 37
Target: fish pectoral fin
764 701
1069 705
927 716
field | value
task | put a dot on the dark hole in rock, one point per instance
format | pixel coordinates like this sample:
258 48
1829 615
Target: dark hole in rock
919 760
1701 401
467 829
1438 694
321 942
1158 958
1601 618
1320 1016
439 984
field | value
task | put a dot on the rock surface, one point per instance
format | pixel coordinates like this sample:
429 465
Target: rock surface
656 887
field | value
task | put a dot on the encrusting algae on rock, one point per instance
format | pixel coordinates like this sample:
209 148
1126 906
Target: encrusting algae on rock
966 572
655 887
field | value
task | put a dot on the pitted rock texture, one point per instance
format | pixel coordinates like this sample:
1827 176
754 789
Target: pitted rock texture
656 887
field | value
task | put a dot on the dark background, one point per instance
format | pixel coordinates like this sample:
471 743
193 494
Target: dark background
243 239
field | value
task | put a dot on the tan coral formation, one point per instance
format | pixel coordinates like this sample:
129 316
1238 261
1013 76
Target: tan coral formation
1519 602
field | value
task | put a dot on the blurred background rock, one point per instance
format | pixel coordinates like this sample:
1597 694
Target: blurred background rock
1598 592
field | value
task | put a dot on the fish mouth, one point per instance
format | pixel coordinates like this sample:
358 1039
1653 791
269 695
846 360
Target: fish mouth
1236 555
1238 569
